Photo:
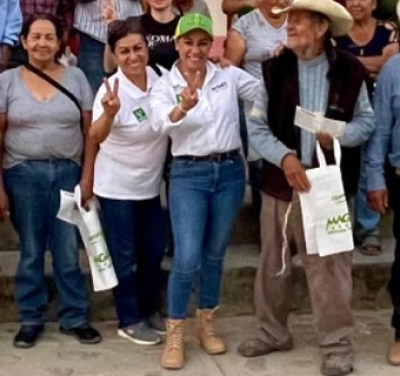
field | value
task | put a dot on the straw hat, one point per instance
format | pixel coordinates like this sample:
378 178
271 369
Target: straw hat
341 20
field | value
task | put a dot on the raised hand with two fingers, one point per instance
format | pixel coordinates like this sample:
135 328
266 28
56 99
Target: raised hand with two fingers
189 95
110 102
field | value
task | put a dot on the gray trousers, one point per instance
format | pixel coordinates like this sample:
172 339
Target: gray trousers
329 281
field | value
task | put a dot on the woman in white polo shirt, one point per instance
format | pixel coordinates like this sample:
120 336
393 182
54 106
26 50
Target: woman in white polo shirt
196 105
127 179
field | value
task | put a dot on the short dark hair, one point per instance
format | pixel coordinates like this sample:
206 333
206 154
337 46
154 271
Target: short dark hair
119 29
26 27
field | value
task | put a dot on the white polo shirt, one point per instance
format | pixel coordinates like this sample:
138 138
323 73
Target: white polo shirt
130 161
212 126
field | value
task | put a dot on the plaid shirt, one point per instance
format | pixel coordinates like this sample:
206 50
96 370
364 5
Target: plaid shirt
63 9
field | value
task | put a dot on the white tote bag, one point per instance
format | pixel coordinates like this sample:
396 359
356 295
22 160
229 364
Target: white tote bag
101 266
324 209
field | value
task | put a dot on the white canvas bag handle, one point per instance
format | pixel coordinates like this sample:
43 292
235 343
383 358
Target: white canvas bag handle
337 152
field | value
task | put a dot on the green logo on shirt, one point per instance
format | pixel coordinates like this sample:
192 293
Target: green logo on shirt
140 114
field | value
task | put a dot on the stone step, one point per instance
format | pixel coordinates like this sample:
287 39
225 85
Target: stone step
246 230
370 276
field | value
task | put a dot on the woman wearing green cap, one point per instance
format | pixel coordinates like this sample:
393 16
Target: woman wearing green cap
196 104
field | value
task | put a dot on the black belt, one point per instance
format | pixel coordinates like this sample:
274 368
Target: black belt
213 157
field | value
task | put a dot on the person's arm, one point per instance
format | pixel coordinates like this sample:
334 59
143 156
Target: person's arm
105 110
3 196
360 128
108 61
375 63
12 30
168 110
270 148
378 145
247 85
90 149
89 156
235 47
232 7
260 135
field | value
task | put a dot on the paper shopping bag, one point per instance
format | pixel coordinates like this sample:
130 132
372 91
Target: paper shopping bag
325 213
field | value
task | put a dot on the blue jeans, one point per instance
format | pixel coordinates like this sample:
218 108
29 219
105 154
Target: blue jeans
33 189
135 235
204 198
366 219
90 60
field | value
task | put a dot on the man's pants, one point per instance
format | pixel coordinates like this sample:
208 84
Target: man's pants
394 283
329 281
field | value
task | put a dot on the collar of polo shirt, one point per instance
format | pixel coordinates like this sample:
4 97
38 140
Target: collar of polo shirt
177 79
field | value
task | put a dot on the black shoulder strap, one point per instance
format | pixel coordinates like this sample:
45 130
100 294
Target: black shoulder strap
58 86
156 69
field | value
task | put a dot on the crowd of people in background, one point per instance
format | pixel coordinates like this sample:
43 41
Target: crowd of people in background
146 103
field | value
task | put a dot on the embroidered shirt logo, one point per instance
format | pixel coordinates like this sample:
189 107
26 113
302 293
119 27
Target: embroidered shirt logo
140 114
219 87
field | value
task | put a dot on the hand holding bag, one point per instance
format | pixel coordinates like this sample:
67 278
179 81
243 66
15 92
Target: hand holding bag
325 213
101 266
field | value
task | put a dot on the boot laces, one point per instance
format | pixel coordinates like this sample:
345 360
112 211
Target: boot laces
175 339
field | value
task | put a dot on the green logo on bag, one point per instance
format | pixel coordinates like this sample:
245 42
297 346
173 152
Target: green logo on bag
140 114
101 258
339 223
178 98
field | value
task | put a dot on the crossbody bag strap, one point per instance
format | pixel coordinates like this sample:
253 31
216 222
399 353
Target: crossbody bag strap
58 86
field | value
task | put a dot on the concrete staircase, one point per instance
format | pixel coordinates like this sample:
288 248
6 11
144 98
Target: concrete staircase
370 275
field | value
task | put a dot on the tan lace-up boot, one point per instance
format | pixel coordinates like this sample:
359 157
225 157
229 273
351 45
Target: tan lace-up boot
173 356
205 328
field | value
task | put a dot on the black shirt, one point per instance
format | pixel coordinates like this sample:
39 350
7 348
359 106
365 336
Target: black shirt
160 37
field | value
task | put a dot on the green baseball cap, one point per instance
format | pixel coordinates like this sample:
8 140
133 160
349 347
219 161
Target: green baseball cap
194 21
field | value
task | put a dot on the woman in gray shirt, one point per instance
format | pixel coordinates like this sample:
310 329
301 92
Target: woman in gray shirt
41 148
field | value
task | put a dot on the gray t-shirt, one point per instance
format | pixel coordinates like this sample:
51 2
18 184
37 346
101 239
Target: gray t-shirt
261 39
39 130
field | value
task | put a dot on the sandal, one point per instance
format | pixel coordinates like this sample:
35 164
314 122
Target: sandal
371 246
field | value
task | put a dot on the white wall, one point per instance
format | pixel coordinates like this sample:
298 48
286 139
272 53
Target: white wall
218 17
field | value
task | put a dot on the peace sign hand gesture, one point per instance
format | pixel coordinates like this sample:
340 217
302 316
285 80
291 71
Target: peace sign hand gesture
108 12
189 96
110 101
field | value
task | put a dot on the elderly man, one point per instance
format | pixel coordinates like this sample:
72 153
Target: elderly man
10 27
313 74
385 142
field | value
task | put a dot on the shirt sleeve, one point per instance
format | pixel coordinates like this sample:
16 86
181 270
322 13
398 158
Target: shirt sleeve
360 128
378 145
13 23
260 135
247 85
162 101
97 107
241 26
85 91
4 87
206 10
